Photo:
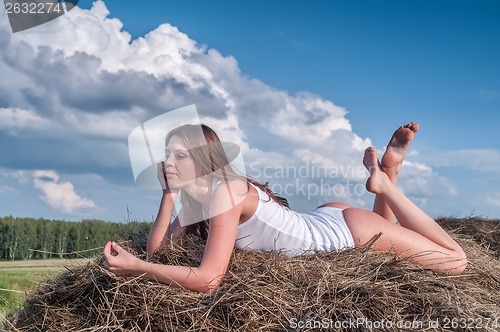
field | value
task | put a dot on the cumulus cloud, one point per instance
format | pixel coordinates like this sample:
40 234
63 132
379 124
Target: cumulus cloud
86 80
78 85
14 119
419 182
61 196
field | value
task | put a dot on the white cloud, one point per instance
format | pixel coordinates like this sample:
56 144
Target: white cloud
228 129
79 84
413 168
163 52
112 124
61 196
86 78
324 165
419 182
15 119
308 119
21 176
5 189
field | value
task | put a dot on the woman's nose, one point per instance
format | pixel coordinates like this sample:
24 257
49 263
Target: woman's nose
169 161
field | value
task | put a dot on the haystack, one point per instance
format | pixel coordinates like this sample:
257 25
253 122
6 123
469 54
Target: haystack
357 290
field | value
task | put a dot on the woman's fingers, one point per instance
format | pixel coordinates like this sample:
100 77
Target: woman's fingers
107 250
161 175
110 252
115 249
107 255
118 260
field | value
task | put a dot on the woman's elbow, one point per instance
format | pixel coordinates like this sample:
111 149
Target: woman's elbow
462 263
151 249
458 264
210 283
153 246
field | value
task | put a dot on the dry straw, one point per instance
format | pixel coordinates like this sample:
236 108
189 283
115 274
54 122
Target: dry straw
358 290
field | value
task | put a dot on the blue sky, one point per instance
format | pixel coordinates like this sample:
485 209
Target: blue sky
434 61
254 67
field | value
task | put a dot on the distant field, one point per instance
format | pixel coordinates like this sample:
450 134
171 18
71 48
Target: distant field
19 277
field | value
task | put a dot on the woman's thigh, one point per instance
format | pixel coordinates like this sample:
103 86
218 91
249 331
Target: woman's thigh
366 226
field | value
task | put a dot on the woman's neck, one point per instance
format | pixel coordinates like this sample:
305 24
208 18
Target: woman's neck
201 194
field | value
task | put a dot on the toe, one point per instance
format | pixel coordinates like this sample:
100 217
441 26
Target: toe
414 127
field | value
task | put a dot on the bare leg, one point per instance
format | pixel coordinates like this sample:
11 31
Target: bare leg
391 163
420 239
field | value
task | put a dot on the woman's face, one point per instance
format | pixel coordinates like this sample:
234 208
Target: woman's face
179 165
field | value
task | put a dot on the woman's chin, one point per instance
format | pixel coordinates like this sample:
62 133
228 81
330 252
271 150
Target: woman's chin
174 186
178 185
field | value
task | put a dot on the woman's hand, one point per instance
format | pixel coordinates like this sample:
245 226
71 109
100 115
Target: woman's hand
119 261
162 178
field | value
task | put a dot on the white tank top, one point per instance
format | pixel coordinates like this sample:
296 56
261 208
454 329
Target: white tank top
274 227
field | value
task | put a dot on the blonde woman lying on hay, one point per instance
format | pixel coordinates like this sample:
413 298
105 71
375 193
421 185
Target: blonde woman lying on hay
231 211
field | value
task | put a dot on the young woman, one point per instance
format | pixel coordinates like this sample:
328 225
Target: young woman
231 211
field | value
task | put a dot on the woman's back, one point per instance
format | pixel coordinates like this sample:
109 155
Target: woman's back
274 227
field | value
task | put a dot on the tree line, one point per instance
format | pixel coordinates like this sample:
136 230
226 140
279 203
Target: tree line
29 238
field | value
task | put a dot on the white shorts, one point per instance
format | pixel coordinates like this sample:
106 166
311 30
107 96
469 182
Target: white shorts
331 221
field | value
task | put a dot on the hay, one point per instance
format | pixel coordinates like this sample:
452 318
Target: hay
484 231
349 291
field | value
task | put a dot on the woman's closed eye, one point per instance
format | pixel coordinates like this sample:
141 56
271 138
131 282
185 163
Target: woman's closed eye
177 156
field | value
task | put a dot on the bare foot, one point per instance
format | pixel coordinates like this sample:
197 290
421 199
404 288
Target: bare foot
396 149
378 179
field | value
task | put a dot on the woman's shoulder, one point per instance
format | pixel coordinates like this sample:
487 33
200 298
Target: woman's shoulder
234 189
230 184
229 194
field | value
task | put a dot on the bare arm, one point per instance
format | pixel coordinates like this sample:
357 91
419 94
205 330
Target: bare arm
208 275
162 222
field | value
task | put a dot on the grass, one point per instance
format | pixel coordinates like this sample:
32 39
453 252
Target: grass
268 292
18 278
